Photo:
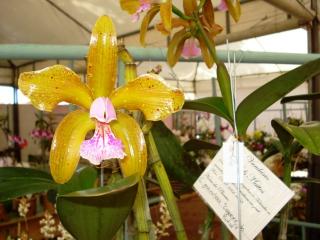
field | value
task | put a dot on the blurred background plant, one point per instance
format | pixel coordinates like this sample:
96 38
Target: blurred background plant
42 134
13 144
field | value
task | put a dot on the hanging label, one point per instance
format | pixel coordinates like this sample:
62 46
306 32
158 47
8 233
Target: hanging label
233 158
262 194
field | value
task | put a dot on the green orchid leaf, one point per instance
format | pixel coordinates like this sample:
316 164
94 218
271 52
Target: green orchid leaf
274 148
176 161
285 138
225 86
17 182
83 178
310 96
307 134
13 173
97 213
271 92
213 105
195 144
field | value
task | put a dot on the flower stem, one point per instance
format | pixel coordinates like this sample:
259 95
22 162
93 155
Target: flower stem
166 188
207 225
208 41
284 216
180 14
142 213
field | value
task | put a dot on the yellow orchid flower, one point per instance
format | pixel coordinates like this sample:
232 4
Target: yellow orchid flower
187 41
117 135
152 7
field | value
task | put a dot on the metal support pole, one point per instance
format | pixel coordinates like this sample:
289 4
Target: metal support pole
295 8
314 166
76 52
16 127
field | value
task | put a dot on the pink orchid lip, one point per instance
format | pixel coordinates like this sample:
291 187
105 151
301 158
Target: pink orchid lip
145 5
190 49
222 6
102 146
103 110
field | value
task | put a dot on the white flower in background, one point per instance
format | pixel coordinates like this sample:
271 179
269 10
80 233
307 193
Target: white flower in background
23 207
297 188
64 233
164 223
48 228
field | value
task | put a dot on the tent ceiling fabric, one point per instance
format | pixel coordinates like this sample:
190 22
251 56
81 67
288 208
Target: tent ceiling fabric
55 22
45 21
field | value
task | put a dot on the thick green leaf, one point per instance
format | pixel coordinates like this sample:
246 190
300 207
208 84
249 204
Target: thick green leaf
225 86
175 160
307 134
275 147
283 135
18 188
213 105
84 178
17 182
195 144
310 96
271 92
97 213
12 173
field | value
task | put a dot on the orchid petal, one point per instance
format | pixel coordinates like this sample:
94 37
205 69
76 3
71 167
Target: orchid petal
176 22
102 58
189 6
208 12
176 46
146 21
65 154
207 58
131 6
234 9
166 14
50 86
128 130
149 94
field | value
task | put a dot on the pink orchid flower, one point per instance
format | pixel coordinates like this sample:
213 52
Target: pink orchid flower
145 5
191 49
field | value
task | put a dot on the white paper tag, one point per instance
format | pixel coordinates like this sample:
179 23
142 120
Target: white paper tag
233 154
262 195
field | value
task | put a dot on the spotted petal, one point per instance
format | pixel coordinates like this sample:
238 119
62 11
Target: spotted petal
128 130
65 148
102 58
49 86
149 94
